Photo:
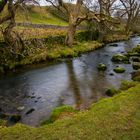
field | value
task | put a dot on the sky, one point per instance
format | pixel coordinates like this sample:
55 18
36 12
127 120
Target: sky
43 2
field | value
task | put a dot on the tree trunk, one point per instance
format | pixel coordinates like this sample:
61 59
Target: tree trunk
70 35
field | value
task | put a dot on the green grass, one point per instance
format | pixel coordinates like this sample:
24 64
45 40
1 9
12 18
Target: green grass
39 15
55 52
116 118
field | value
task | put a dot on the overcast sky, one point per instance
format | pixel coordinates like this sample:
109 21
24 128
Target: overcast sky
42 2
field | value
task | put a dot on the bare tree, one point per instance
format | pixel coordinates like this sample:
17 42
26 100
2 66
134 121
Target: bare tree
11 38
75 14
131 12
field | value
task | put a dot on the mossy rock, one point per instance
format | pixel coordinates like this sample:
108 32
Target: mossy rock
119 70
136 59
58 112
120 58
136 49
125 85
136 76
101 67
136 65
111 92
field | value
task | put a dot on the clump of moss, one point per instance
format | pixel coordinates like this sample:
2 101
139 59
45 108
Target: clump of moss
111 92
57 113
119 70
120 58
101 67
136 49
136 76
125 85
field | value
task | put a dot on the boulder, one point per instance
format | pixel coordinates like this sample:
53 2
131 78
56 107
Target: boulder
136 59
136 65
101 67
119 70
120 58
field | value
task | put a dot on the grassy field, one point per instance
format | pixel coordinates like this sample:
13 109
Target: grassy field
37 15
116 118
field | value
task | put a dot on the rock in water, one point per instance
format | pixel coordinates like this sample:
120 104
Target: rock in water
119 70
30 111
120 58
101 67
15 118
20 108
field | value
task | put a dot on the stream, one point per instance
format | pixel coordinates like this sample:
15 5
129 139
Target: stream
75 82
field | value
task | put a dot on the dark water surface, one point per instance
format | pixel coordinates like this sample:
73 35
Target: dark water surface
76 82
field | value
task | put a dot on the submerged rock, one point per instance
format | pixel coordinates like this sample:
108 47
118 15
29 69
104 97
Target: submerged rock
15 118
111 74
136 59
119 70
101 67
30 111
120 58
114 45
20 108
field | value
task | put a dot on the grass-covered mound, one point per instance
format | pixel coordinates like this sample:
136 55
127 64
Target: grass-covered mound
115 118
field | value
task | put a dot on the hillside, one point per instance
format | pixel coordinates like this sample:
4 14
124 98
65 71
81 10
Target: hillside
39 15
115 118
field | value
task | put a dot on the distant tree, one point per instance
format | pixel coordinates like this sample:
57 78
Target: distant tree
131 11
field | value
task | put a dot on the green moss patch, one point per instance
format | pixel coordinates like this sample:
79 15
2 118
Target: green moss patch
120 58
101 67
60 112
119 70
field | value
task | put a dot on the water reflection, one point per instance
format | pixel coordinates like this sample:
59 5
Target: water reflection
76 82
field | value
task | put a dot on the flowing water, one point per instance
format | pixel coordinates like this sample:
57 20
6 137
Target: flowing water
76 82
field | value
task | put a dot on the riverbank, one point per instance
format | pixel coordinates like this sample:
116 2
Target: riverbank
112 118
52 48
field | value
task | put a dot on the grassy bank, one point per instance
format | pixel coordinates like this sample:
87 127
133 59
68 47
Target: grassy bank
115 118
45 53
52 49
